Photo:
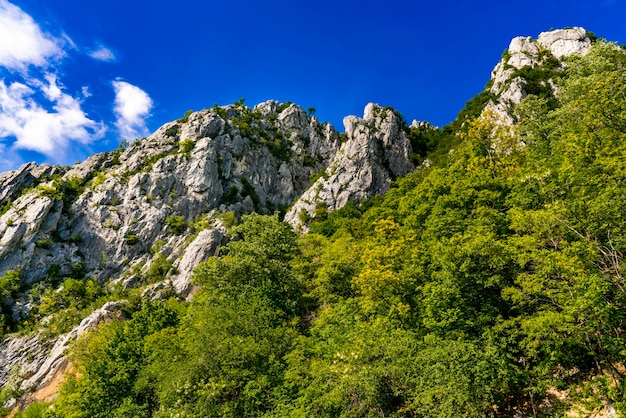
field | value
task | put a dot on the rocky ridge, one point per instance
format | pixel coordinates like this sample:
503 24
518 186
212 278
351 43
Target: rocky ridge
145 215
148 213
375 151
510 78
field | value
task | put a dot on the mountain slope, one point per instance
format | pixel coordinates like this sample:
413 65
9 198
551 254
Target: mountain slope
483 283
148 213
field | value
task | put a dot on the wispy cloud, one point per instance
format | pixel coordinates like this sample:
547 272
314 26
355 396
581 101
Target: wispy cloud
86 92
36 128
22 42
37 112
132 107
103 53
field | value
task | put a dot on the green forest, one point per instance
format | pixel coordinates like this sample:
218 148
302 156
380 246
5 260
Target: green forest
486 283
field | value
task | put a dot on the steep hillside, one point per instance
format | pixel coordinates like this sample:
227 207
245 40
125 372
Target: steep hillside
473 270
149 212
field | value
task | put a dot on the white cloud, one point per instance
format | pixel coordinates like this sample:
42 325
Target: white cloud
86 92
36 128
22 43
132 107
103 54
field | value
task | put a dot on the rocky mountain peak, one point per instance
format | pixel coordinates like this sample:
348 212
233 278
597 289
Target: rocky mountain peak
564 42
145 215
148 213
374 150
509 78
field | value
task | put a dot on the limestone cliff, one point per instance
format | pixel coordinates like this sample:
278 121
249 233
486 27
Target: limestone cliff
375 151
513 77
146 214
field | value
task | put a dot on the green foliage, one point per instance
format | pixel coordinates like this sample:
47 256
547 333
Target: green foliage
304 216
228 219
9 286
131 238
45 243
186 146
65 190
110 362
73 294
35 410
149 162
323 173
230 195
5 208
98 179
172 132
283 106
159 267
176 223
221 112
249 190
185 117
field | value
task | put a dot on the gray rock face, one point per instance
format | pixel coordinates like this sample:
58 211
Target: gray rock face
116 214
34 362
564 42
227 159
56 358
206 244
13 182
376 150
524 51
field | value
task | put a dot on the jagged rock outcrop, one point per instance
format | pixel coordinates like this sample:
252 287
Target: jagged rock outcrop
375 151
226 159
146 215
205 245
153 210
508 84
13 182
34 360
564 42
148 212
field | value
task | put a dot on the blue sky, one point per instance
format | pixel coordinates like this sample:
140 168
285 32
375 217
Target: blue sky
76 77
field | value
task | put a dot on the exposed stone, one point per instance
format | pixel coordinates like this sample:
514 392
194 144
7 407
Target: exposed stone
564 42
35 360
376 151
56 358
524 51
206 244
13 182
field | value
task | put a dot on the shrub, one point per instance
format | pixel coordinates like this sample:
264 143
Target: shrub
176 223
283 106
131 239
304 216
230 196
229 219
45 243
187 145
158 269
5 208
173 131
315 176
249 190
185 117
